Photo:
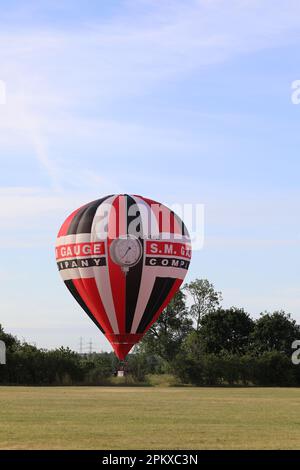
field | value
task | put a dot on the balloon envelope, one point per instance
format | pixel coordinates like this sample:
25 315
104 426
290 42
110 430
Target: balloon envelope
123 258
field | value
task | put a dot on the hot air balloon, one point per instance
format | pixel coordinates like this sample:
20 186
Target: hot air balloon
123 258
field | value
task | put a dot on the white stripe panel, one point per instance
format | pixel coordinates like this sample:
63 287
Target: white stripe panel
174 237
69 239
68 274
167 271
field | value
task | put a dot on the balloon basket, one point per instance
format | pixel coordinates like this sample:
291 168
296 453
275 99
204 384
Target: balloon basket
122 369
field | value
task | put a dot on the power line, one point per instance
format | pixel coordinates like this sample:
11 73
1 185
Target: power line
85 347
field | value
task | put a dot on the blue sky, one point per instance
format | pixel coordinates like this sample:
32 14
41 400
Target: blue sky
185 102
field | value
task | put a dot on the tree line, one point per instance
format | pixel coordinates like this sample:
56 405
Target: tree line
195 339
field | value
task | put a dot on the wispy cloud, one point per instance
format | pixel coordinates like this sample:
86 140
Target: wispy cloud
121 57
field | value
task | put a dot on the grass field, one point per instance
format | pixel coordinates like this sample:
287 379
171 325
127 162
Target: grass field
149 418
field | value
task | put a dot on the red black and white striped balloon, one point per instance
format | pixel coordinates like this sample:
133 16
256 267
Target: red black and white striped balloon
123 258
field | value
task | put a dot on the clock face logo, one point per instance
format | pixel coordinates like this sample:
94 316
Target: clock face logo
126 251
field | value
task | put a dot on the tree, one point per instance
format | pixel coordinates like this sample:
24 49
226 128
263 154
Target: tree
222 330
97 368
274 368
137 367
274 332
166 335
10 341
188 370
206 299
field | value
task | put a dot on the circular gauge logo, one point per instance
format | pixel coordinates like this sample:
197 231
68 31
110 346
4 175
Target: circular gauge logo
126 251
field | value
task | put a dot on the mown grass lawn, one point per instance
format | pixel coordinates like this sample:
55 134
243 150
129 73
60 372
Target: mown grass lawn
149 418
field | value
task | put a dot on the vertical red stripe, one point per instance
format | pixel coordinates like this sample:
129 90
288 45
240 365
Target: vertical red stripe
64 228
88 291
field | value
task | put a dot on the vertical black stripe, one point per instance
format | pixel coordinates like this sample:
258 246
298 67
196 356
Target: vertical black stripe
184 230
160 291
134 275
83 220
70 285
